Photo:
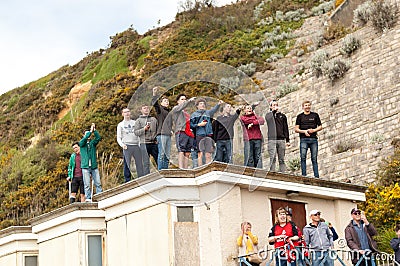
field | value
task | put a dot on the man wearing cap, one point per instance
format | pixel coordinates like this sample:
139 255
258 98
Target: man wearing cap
358 234
319 240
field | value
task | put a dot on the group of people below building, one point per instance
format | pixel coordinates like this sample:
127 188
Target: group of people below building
315 243
82 167
201 136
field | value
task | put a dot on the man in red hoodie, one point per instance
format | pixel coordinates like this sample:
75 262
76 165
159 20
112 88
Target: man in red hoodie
252 137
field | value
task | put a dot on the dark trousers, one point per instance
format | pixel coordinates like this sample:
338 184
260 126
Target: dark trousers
135 152
149 149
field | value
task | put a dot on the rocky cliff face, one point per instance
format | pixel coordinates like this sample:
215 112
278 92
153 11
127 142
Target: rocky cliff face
360 112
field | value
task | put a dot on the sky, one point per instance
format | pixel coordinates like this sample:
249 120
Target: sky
40 36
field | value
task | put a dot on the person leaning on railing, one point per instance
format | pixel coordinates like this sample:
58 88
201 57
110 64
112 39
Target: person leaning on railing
282 235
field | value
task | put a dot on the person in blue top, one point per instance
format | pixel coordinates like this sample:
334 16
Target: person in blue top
201 124
89 161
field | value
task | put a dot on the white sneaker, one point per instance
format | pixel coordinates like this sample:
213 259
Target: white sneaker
88 200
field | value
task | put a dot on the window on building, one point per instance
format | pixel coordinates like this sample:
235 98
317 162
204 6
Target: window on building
185 213
30 260
95 250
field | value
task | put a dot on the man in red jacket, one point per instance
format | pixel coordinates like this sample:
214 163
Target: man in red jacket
252 137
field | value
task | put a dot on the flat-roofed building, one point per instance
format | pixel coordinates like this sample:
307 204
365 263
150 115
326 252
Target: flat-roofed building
18 246
185 217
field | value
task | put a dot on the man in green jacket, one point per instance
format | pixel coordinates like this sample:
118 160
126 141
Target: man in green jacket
75 174
89 162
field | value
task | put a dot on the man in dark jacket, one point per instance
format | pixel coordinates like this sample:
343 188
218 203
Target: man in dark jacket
223 133
278 136
164 129
358 234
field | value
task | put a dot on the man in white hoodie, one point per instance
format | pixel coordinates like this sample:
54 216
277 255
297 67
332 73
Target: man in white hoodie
129 143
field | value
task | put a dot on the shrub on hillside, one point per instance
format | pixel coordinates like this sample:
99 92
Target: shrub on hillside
362 13
389 170
335 68
349 45
335 32
285 89
248 69
382 209
383 15
323 8
293 164
343 146
317 61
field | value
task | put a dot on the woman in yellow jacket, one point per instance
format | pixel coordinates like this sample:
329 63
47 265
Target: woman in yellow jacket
247 243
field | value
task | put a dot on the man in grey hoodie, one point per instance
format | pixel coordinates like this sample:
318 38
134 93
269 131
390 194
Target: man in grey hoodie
319 240
146 130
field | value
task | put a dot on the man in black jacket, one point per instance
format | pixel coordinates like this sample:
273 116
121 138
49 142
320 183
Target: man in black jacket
164 129
223 133
278 136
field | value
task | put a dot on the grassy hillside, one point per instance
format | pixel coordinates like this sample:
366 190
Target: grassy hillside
35 141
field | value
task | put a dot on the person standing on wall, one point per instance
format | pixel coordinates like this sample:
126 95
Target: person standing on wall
224 133
201 124
129 143
307 125
278 136
183 134
146 130
75 174
252 137
89 161
164 129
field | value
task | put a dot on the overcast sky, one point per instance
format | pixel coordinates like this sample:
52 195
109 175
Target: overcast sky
40 36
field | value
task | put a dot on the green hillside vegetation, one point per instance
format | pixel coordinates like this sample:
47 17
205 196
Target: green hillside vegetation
35 143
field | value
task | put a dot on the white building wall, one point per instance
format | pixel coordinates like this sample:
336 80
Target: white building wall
145 235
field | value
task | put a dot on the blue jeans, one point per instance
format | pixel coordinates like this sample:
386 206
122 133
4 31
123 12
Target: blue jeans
318 256
164 151
252 153
87 172
311 143
224 151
